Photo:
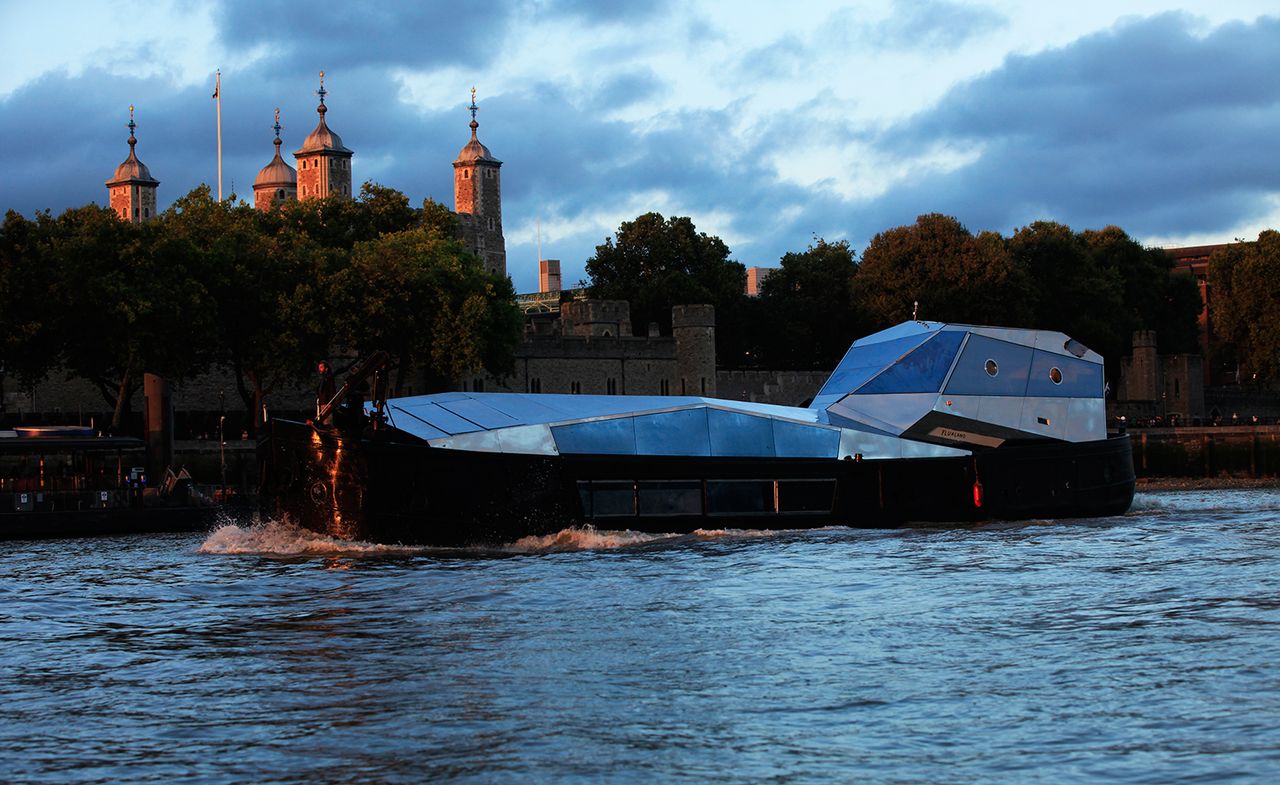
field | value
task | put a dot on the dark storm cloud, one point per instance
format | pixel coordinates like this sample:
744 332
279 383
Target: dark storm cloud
603 11
1147 125
61 137
623 90
410 35
414 35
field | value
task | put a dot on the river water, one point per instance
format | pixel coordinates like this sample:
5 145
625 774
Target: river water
1136 649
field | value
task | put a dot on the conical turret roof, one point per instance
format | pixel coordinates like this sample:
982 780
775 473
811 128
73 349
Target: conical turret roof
132 170
474 150
322 139
277 173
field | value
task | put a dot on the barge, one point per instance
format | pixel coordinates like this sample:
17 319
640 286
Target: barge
922 422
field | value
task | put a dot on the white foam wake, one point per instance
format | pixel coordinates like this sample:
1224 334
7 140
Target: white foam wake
582 538
589 538
280 538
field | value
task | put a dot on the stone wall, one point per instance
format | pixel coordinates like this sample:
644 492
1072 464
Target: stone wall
785 388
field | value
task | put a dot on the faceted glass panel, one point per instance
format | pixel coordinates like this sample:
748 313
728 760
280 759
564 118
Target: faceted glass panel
863 362
740 434
792 440
601 437
1080 378
970 377
923 370
681 432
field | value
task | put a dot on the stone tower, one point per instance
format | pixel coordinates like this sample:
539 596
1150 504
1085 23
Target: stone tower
324 165
477 199
694 328
277 182
131 192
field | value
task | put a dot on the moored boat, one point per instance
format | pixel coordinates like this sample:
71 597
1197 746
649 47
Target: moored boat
65 481
923 422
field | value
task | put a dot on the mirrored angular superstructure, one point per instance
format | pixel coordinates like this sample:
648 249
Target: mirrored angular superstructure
923 421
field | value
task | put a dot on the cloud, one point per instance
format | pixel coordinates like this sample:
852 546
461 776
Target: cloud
349 35
1147 125
1154 125
931 24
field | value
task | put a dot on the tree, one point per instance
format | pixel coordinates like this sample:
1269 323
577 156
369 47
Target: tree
423 298
30 291
953 275
808 317
336 221
1154 297
1073 293
1246 303
268 319
656 263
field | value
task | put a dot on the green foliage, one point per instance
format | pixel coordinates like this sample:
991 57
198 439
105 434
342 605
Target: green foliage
1154 298
1072 292
1247 304
953 275
806 310
30 343
263 293
656 263
420 296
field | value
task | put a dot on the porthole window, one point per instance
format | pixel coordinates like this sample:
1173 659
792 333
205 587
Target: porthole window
992 368
1055 376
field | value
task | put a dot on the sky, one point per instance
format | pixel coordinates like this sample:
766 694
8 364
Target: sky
769 124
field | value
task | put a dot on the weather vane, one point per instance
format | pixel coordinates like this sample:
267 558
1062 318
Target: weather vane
321 92
474 108
277 122
132 125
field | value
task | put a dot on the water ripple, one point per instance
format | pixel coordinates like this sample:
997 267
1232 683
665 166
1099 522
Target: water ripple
1132 649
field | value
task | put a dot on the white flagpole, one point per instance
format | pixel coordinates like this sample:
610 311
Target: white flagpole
217 94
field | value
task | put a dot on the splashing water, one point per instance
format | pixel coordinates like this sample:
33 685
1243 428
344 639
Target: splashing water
281 538
584 538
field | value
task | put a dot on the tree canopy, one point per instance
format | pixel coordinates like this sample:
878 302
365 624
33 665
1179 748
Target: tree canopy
1246 303
954 275
806 314
655 263
264 294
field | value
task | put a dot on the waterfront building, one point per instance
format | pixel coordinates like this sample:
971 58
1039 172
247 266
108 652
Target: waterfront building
131 191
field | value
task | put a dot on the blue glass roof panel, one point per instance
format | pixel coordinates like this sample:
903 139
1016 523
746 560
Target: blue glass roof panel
480 414
793 440
682 432
739 433
861 363
922 370
599 437
435 416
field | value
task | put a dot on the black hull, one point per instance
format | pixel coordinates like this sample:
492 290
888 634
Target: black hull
104 522
389 487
